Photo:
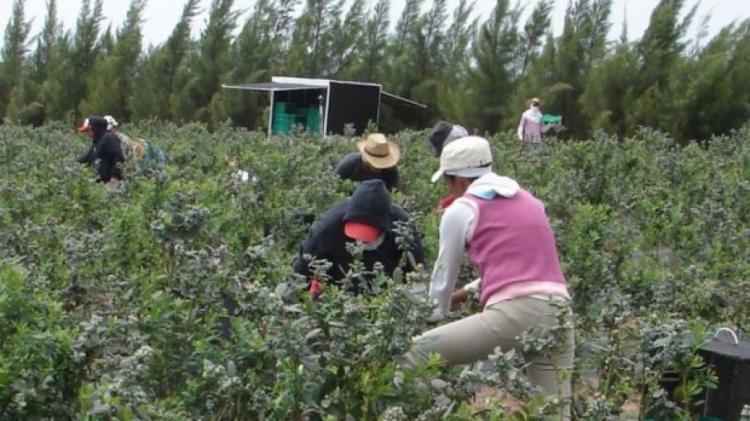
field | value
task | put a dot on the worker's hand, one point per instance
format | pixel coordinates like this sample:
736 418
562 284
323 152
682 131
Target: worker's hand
459 297
315 289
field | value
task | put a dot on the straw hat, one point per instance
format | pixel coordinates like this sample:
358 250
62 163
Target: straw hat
378 151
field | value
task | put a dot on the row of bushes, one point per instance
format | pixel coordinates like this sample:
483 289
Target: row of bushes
171 295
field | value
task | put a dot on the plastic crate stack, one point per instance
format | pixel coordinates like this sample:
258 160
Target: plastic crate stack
286 115
284 118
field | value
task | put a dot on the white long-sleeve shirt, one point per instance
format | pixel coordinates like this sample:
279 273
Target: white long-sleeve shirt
456 229
531 127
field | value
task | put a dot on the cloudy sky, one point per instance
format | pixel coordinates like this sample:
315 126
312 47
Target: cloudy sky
160 16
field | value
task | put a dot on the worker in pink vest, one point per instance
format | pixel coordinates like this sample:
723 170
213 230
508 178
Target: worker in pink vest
505 232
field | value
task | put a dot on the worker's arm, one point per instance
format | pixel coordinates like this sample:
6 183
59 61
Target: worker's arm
89 157
464 294
301 265
454 228
521 127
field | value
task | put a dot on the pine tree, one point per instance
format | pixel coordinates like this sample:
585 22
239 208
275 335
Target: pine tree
111 79
13 55
453 101
49 59
533 32
309 47
711 94
400 76
24 106
428 58
662 42
345 39
660 52
256 56
407 25
205 69
153 92
370 58
46 43
67 83
494 53
609 92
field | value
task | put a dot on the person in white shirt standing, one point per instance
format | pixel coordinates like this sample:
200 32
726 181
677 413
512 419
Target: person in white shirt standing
531 127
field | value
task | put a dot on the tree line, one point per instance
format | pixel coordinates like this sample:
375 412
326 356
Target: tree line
478 72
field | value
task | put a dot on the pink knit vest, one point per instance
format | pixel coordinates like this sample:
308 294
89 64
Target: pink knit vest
512 242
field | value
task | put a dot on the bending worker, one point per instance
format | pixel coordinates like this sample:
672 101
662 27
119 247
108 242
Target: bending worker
368 217
105 148
377 159
442 134
505 232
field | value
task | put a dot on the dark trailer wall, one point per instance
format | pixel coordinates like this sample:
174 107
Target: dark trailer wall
352 103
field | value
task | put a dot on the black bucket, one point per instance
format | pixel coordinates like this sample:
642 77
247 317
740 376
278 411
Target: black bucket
729 356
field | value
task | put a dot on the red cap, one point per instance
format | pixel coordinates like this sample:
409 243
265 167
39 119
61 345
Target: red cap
361 231
84 127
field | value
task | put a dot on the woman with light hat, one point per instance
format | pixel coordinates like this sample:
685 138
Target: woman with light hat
504 231
377 159
531 128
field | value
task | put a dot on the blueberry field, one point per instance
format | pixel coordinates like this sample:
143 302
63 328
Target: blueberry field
171 295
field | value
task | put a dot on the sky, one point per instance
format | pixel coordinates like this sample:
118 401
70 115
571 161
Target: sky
160 16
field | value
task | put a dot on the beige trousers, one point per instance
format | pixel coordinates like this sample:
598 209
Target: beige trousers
501 325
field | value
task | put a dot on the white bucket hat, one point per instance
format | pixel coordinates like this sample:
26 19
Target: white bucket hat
467 157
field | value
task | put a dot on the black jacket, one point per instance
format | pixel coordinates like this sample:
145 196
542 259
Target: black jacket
326 239
352 168
106 149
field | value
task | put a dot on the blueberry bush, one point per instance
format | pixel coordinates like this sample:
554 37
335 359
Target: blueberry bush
171 295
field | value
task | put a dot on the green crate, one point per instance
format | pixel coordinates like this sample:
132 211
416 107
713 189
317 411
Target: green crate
312 120
551 119
283 124
285 107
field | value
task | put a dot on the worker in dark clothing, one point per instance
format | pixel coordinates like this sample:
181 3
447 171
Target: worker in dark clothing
376 159
441 135
444 133
367 216
105 149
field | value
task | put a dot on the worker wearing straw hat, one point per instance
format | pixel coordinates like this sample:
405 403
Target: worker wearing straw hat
377 159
